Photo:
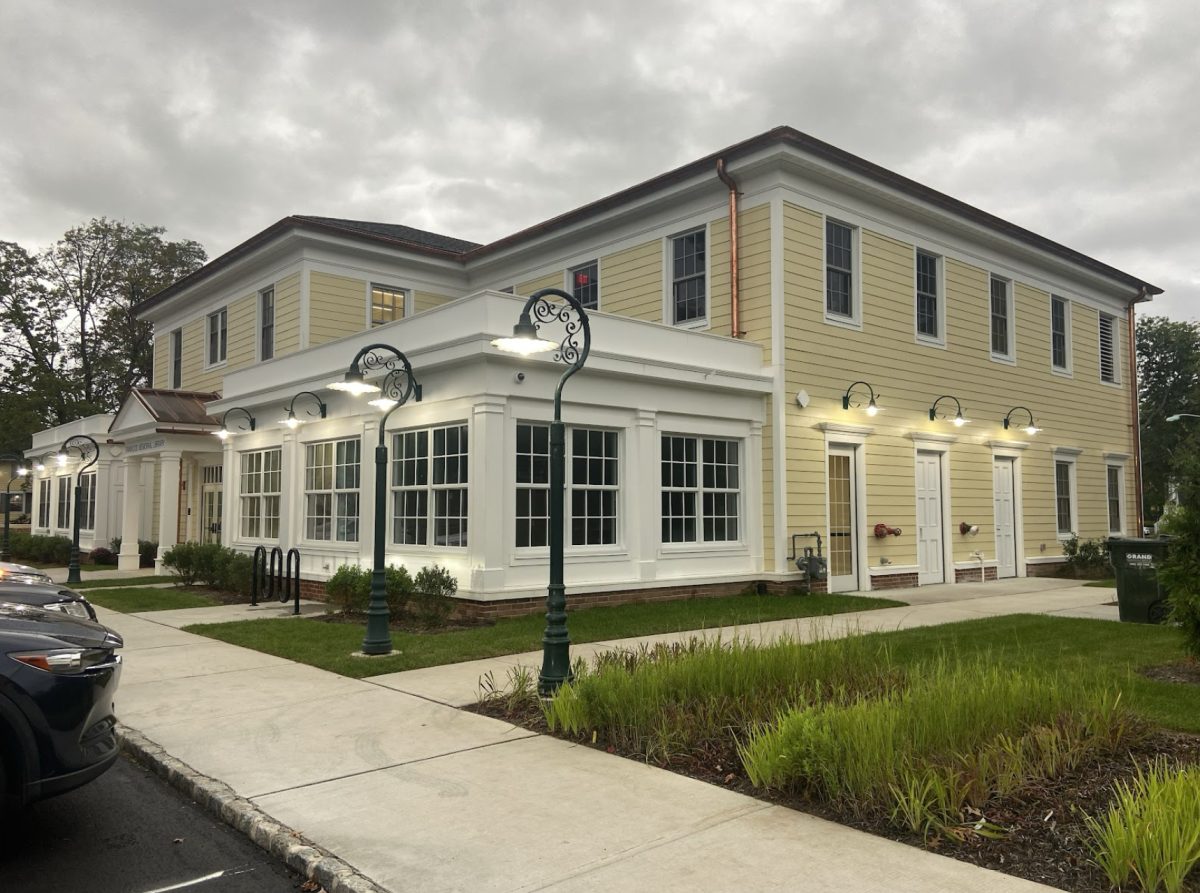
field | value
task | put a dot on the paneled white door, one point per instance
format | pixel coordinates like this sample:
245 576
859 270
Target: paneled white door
843 521
1006 523
930 527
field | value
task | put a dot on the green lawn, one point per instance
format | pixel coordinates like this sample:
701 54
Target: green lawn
1100 646
123 581
1104 584
134 599
329 645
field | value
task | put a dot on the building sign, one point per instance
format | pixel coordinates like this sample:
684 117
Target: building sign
147 445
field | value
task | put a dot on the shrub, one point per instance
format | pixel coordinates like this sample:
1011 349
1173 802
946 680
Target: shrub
101 555
210 561
18 543
47 549
1180 572
1087 558
235 573
181 558
433 602
349 589
147 552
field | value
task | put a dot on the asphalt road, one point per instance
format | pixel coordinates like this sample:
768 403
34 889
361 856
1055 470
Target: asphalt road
129 832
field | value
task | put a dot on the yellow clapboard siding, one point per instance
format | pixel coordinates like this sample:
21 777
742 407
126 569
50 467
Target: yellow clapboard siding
337 306
162 361
754 277
243 332
423 300
287 315
550 280
631 281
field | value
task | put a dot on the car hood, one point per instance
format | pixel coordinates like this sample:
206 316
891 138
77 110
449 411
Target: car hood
26 620
22 590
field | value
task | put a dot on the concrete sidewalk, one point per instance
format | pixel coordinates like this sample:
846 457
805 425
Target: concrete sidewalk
421 796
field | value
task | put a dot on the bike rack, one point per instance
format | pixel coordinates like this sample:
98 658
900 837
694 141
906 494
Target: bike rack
258 574
293 581
275 576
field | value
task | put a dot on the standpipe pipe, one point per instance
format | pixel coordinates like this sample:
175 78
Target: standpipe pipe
735 329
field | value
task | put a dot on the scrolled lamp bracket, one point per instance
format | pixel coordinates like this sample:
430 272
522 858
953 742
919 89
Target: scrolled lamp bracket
936 412
1031 427
312 412
855 395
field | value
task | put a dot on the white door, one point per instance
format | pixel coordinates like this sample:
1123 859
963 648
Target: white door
211 514
843 521
930 556
1006 524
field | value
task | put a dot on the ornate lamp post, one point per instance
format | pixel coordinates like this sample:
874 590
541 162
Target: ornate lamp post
89 452
398 386
19 475
573 350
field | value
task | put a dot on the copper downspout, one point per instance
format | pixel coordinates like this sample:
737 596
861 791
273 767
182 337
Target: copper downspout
735 329
1143 294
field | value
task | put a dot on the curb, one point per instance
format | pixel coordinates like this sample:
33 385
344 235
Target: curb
221 801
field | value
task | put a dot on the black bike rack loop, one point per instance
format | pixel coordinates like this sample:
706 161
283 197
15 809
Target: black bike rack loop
275 575
258 573
293 581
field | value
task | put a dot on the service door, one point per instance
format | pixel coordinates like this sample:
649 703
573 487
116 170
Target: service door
211 513
843 521
930 525
1006 518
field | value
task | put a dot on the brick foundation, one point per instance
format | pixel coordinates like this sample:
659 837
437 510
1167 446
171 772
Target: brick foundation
1045 569
893 581
971 574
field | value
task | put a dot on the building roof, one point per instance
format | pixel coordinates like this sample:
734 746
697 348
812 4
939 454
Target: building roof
462 251
177 407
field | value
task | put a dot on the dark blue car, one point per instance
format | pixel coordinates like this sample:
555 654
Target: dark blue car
58 678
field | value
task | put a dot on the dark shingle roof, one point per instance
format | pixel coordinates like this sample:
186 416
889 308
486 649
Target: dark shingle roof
393 231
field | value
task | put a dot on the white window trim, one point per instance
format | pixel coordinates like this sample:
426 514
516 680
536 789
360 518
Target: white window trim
918 335
258 324
1009 358
408 309
216 364
1068 456
1119 464
569 280
668 307
83 520
1116 350
855 319
1066 371
261 496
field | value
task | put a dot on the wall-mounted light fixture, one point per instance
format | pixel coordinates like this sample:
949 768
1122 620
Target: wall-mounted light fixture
936 413
291 421
1031 428
855 398
225 429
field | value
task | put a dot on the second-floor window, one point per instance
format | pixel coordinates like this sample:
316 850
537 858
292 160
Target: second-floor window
387 304
1002 318
331 482
1060 343
585 284
266 324
176 359
262 484
839 270
87 502
1108 348
929 324
217 336
44 503
688 278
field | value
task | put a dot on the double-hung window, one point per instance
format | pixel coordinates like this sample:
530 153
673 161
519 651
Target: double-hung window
839 271
689 290
1060 334
87 502
929 310
1108 348
585 284
592 484
1002 318
266 323
1115 479
261 486
331 482
44 502
387 304
701 489
429 486
176 358
64 503
217 328
1064 496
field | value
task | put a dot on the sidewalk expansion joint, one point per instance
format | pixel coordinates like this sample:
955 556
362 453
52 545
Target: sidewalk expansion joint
289 846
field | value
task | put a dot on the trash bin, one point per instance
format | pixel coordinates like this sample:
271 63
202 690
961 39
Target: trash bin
1141 598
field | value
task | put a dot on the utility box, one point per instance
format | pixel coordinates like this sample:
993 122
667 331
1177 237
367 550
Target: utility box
1141 598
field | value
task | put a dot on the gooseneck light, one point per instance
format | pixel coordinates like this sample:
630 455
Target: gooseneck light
1030 427
935 411
226 432
291 421
855 398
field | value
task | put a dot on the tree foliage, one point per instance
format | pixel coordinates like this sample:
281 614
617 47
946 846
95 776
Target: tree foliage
1169 383
72 344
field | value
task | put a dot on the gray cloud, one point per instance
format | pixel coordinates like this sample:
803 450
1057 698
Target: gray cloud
478 118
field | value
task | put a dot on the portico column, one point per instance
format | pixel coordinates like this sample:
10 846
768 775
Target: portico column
289 533
168 505
131 515
487 503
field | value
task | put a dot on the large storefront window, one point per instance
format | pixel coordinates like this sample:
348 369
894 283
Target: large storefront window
87 502
591 481
261 485
701 489
429 486
331 482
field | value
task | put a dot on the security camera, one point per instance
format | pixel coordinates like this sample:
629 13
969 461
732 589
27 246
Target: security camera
519 377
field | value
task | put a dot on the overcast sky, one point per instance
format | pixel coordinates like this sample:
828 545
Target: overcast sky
1078 120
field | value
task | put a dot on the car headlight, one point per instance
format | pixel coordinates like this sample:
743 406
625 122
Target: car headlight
65 661
74 608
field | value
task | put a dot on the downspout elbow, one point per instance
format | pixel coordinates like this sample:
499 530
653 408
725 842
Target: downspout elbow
735 329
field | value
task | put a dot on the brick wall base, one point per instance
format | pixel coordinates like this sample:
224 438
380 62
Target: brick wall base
893 581
971 574
1045 569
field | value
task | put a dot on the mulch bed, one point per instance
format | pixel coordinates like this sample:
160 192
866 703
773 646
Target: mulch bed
1184 672
1046 838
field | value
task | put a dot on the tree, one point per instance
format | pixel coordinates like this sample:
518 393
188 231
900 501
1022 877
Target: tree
1169 382
72 342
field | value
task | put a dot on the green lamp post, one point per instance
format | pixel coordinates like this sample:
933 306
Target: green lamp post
398 386
573 350
19 475
89 453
